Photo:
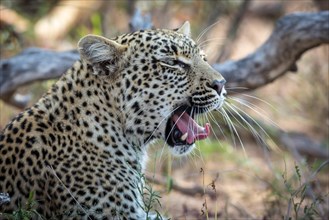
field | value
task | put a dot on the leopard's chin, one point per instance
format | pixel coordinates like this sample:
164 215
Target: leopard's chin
182 150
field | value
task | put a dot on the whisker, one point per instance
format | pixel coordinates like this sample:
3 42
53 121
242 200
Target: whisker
235 88
258 99
246 103
206 30
252 129
188 123
257 135
236 109
261 112
161 123
210 41
235 130
213 119
227 122
68 190
197 143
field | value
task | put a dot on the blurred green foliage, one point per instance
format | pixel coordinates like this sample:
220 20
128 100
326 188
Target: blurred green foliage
31 9
10 41
94 26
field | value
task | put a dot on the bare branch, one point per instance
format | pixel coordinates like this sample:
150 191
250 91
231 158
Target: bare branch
303 145
294 34
33 64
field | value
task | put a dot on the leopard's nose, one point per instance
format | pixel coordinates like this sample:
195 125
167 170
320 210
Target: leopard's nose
218 85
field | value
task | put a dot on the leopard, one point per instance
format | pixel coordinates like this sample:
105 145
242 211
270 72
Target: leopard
81 149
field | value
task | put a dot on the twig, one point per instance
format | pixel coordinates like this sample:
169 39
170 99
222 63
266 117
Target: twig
243 212
307 178
191 191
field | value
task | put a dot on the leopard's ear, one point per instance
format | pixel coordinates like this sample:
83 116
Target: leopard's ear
185 29
102 53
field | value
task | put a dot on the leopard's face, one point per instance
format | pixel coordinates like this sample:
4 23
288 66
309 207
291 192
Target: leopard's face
163 81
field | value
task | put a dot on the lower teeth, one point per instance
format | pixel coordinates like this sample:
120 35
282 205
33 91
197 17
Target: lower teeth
183 137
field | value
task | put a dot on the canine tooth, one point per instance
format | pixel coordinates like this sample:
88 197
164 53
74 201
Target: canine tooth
184 136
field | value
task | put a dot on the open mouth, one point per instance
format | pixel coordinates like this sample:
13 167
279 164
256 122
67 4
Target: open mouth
182 129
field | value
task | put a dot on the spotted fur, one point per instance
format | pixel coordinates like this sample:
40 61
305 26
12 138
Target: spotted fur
82 147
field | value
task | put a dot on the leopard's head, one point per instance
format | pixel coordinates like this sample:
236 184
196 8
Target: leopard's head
163 81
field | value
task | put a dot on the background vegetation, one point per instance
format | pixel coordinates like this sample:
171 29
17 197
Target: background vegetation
238 179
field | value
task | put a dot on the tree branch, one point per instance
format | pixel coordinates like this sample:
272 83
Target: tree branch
39 64
303 145
294 34
33 64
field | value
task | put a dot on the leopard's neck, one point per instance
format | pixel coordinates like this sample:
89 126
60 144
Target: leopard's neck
87 108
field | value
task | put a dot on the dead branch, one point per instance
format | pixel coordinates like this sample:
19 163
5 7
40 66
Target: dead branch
267 10
322 4
303 145
38 64
35 64
294 34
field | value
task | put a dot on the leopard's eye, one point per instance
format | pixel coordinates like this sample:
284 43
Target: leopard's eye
174 63
170 62
182 64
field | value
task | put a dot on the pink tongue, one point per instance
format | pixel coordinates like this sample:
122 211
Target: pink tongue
186 124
